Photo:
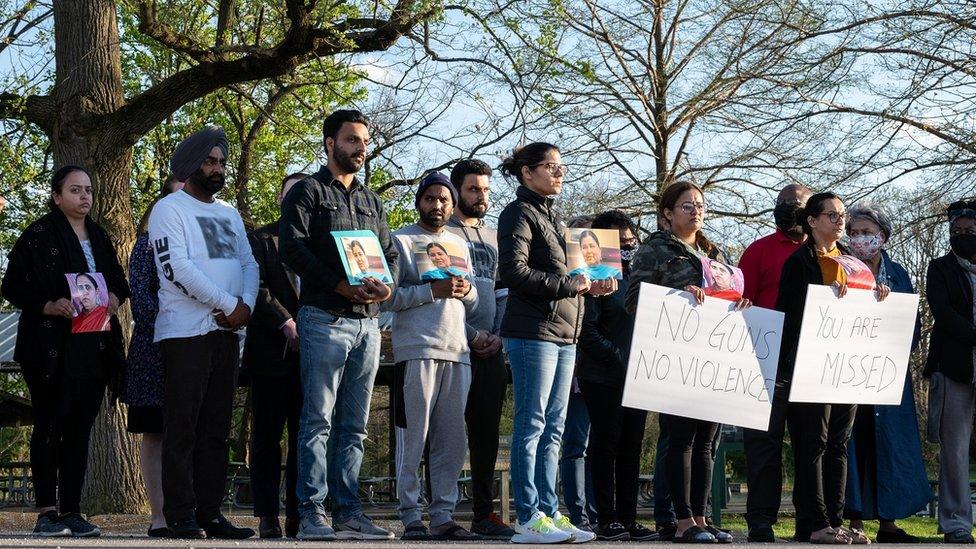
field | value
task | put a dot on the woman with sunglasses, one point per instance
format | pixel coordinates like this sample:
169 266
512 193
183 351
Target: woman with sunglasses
819 432
951 284
672 257
539 332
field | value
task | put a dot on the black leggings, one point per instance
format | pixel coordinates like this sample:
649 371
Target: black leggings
64 412
689 464
819 435
614 451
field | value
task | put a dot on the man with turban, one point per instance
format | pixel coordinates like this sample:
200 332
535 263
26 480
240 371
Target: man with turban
208 283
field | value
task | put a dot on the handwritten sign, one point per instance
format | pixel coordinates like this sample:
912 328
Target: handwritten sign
703 361
853 350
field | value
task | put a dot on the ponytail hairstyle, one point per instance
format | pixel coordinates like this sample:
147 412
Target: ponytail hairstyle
814 207
669 200
530 155
57 181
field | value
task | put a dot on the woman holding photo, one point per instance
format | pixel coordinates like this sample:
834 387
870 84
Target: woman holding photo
819 432
673 257
539 330
66 373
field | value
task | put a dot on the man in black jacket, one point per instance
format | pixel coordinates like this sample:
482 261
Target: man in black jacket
271 360
337 327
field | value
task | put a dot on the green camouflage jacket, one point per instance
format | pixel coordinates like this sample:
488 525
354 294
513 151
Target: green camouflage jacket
666 261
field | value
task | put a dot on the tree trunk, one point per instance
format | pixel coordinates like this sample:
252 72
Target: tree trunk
89 85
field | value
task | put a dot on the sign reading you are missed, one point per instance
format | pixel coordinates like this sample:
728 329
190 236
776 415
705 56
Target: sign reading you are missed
854 349
703 361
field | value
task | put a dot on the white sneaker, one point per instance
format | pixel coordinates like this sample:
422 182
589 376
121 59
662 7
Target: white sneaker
579 536
539 529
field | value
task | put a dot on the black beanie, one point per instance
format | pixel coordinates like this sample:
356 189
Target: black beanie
435 178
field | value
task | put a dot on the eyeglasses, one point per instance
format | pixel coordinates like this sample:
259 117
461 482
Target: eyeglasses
554 169
791 202
689 207
958 231
85 287
211 162
834 217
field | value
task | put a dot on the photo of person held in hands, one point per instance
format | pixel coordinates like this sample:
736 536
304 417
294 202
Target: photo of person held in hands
589 259
442 263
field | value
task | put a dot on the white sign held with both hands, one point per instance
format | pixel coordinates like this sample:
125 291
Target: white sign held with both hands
703 361
853 349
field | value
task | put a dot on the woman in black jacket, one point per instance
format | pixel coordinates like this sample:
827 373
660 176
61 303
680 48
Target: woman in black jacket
951 282
539 330
66 373
616 432
819 432
672 257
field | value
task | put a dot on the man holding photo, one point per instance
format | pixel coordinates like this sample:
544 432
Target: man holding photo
337 328
433 367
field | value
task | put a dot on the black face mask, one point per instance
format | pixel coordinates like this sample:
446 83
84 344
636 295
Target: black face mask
964 245
785 216
627 254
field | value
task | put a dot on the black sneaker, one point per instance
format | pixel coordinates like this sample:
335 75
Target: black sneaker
666 532
49 525
761 535
221 528
80 528
186 529
639 532
612 532
492 527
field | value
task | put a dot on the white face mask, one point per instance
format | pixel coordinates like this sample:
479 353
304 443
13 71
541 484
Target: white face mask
866 246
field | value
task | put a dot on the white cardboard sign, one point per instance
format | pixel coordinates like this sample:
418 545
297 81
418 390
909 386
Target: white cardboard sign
703 361
854 349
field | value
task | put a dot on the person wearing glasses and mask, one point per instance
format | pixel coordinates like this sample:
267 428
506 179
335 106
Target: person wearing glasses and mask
951 283
539 333
672 257
762 264
819 432
886 478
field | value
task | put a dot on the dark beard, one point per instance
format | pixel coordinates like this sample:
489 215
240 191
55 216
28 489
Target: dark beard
431 221
469 210
345 161
210 185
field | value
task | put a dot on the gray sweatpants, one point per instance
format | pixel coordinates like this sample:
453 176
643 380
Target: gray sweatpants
434 396
956 428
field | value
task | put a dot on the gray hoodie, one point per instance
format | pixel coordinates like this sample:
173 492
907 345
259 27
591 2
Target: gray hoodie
427 328
483 247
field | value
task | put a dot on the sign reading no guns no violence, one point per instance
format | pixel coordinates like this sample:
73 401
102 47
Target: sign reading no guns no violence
703 361
854 349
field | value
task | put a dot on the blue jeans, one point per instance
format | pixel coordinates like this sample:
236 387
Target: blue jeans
541 375
573 470
339 358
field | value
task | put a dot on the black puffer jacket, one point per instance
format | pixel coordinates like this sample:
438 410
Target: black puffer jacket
543 300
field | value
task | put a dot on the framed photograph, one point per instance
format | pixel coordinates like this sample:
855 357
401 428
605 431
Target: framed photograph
89 297
362 256
439 259
722 281
594 252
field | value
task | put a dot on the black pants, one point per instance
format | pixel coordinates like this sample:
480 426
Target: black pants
614 452
764 463
489 376
199 378
866 451
64 412
275 401
819 435
689 464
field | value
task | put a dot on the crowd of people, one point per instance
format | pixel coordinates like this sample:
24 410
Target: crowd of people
506 306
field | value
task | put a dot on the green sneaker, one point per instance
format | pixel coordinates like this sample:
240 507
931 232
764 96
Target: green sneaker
563 523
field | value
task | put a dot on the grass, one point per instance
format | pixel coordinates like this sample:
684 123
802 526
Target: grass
924 527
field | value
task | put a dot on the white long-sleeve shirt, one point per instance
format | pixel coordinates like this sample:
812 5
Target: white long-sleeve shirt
204 262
